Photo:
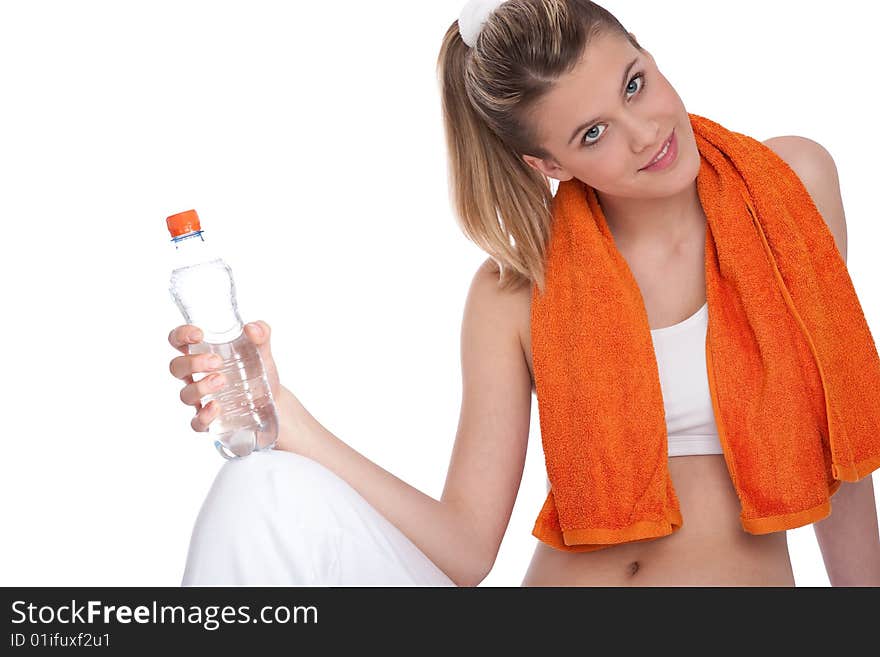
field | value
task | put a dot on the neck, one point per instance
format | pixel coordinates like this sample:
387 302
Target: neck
654 224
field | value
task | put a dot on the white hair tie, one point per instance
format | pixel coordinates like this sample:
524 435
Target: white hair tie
473 17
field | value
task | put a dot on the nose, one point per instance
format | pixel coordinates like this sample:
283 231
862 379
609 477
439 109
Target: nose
644 134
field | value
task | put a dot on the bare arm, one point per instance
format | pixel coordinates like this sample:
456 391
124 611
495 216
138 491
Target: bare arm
461 532
848 538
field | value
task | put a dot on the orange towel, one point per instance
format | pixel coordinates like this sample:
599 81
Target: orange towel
792 366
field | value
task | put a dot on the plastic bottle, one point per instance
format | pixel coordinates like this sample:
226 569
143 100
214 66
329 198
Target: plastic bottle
203 288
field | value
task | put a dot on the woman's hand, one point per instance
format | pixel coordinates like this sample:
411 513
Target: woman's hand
183 367
259 333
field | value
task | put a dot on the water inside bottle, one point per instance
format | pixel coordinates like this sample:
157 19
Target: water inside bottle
248 419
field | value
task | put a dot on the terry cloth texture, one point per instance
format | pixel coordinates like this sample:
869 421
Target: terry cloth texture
793 369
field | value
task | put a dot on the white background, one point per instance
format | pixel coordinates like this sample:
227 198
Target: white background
309 138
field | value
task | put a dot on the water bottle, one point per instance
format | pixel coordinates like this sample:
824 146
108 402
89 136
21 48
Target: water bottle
203 288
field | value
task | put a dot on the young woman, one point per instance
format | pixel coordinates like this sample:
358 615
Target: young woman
532 91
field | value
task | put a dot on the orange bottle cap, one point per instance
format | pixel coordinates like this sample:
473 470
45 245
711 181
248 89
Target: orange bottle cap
183 223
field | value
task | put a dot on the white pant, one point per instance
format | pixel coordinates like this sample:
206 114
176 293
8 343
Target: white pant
277 518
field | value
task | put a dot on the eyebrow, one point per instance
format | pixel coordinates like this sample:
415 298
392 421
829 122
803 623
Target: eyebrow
587 124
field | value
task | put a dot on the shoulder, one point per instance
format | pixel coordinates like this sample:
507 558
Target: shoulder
508 304
817 169
808 158
508 310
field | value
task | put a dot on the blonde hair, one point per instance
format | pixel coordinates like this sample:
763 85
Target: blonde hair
502 204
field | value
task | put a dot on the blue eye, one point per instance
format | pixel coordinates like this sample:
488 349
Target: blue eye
595 139
637 76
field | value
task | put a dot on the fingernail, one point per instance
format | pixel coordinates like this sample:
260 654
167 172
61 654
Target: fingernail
195 337
256 330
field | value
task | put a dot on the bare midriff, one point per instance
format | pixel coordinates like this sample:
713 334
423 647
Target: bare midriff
710 549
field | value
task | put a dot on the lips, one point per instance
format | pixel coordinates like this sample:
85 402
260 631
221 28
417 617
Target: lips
659 150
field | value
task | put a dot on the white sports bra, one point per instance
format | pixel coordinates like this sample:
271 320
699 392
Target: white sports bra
680 351
681 360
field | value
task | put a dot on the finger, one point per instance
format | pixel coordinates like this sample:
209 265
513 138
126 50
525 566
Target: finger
192 393
185 335
205 416
258 332
183 367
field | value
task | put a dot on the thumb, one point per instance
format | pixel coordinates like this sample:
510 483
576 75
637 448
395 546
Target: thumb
259 333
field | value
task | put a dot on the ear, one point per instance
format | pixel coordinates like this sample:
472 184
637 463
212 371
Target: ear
548 168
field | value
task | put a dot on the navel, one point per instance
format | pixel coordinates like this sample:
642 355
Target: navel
634 568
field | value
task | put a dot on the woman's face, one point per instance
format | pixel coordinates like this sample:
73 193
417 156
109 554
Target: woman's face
604 122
